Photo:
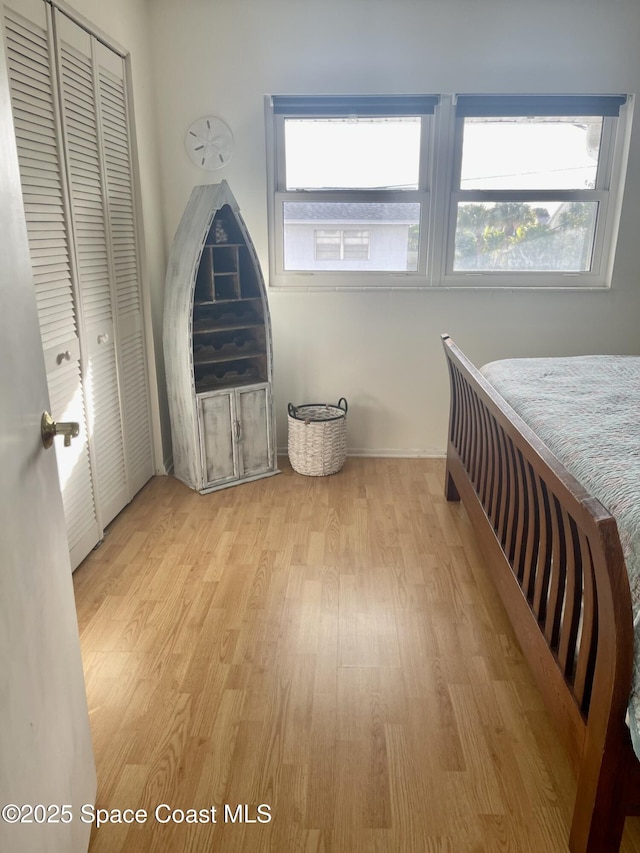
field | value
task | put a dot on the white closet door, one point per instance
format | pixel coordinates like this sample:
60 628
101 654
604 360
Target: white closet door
69 99
81 128
134 386
37 134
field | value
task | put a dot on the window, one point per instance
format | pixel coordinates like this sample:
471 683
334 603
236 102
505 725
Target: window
338 245
349 188
531 187
416 191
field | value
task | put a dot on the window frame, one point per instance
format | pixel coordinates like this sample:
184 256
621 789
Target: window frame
439 194
604 193
382 106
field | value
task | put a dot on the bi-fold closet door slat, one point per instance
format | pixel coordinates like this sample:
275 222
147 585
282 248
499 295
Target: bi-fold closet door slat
70 107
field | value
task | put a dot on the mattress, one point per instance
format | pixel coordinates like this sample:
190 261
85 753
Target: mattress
586 409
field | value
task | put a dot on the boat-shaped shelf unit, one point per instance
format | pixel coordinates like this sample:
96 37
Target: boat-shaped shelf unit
217 347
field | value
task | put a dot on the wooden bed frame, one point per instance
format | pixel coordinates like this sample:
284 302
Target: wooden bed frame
555 557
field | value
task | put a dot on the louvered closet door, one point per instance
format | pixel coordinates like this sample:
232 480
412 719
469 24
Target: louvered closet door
37 135
80 112
134 388
70 106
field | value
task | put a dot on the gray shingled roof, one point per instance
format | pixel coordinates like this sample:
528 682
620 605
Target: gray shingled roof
319 211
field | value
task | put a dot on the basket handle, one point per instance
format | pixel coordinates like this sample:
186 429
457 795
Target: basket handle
292 410
340 406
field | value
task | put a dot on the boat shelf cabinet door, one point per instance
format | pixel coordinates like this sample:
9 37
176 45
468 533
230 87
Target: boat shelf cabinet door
217 445
254 439
235 439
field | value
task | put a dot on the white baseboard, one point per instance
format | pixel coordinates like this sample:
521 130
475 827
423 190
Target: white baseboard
387 452
412 453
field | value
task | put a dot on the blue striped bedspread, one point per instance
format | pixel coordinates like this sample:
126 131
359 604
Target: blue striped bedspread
586 409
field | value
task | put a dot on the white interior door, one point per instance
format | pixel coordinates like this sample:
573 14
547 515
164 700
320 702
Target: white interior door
45 744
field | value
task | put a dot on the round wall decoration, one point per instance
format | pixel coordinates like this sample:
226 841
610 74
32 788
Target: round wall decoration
209 143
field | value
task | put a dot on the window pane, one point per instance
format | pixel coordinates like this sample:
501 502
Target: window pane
525 237
327 245
372 236
530 153
352 153
356 244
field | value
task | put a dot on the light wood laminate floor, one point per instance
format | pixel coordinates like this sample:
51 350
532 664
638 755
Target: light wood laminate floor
329 648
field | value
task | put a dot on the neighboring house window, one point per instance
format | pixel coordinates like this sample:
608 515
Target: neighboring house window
336 245
417 191
328 245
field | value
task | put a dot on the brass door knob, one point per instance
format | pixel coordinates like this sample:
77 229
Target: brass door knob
50 428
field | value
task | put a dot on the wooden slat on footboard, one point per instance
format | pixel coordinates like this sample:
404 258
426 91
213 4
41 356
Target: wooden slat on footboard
556 560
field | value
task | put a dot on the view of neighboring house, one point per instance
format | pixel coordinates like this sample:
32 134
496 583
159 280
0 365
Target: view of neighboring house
350 236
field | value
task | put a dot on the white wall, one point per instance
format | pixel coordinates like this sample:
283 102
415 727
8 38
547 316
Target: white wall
382 350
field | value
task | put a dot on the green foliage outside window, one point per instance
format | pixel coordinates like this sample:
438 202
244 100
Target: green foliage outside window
516 236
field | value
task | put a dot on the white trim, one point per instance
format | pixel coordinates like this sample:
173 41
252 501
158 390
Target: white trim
86 25
388 452
619 160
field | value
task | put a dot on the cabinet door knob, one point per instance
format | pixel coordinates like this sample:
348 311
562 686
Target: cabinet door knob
63 356
103 339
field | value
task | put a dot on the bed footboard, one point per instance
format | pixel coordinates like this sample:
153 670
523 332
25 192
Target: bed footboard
556 560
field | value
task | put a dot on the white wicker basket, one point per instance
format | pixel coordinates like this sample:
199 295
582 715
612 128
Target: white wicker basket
318 438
